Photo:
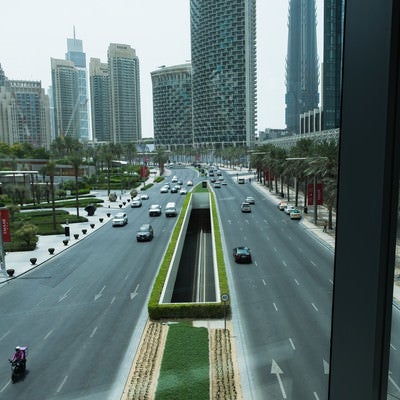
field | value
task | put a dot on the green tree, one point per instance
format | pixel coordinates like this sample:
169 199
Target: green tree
27 234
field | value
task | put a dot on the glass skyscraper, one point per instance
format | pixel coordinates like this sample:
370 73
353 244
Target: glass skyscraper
125 93
223 42
78 57
172 106
302 77
332 69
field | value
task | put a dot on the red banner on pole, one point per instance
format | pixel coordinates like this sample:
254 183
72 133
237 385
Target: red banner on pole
319 194
5 225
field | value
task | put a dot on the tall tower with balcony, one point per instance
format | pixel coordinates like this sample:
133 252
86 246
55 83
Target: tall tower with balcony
223 43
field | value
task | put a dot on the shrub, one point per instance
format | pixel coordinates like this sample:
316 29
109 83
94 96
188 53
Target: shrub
27 234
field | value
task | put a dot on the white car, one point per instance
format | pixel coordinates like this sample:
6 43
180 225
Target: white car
164 189
120 219
144 196
250 200
154 210
189 183
136 202
295 214
183 191
288 209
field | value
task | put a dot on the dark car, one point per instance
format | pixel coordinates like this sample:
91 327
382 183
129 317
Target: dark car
145 233
242 254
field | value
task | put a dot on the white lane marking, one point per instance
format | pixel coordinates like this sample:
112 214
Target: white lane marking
331 281
316 396
297 282
394 383
326 367
300 250
126 277
265 283
315 307
276 308
98 295
48 334
393 347
62 384
113 299
5 386
277 371
313 263
229 221
284 263
64 296
275 249
292 344
93 332
6 334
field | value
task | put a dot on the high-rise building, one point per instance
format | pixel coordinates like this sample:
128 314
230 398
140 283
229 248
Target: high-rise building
302 78
2 77
172 106
124 93
100 100
223 42
332 67
66 99
32 113
78 57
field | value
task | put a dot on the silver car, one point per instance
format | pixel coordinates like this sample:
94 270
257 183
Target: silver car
120 219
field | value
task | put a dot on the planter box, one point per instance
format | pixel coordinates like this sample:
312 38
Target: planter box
51 250
76 235
10 271
33 260
65 241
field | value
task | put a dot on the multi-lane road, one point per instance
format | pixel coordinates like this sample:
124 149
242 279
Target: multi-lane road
82 312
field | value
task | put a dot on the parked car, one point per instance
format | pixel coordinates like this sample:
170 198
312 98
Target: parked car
288 209
241 180
250 200
242 254
136 202
245 207
282 205
295 214
120 219
145 233
154 210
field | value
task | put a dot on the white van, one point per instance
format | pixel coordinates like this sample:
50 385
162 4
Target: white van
170 210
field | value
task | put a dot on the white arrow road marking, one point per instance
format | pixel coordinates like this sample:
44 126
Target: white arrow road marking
284 263
314 306
313 263
393 347
64 296
135 293
98 295
292 344
265 283
297 282
113 299
326 367
276 308
316 396
277 371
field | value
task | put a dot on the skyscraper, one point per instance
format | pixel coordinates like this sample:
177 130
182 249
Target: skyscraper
223 38
302 63
125 93
332 67
172 106
66 100
78 57
100 100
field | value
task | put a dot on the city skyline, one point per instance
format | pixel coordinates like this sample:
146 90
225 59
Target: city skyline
160 37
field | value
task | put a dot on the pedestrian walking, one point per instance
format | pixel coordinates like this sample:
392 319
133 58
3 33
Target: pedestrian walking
325 226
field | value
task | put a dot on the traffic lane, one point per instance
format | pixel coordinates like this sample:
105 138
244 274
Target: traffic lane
282 292
76 310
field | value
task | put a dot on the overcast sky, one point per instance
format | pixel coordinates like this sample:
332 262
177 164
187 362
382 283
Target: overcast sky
32 32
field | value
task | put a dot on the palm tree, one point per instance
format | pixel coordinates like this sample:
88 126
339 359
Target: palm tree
76 161
50 170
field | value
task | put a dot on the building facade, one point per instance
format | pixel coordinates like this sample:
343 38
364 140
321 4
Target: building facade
302 76
333 59
223 43
100 100
124 93
78 57
66 99
172 106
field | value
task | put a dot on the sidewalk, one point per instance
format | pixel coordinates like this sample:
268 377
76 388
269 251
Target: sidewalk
20 261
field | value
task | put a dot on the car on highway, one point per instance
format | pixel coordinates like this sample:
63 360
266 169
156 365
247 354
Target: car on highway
145 233
183 191
154 210
217 185
136 202
120 219
144 196
295 214
189 183
170 209
241 180
164 189
242 254
250 200
245 207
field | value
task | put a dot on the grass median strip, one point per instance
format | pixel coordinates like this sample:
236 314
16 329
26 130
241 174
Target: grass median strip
185 370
